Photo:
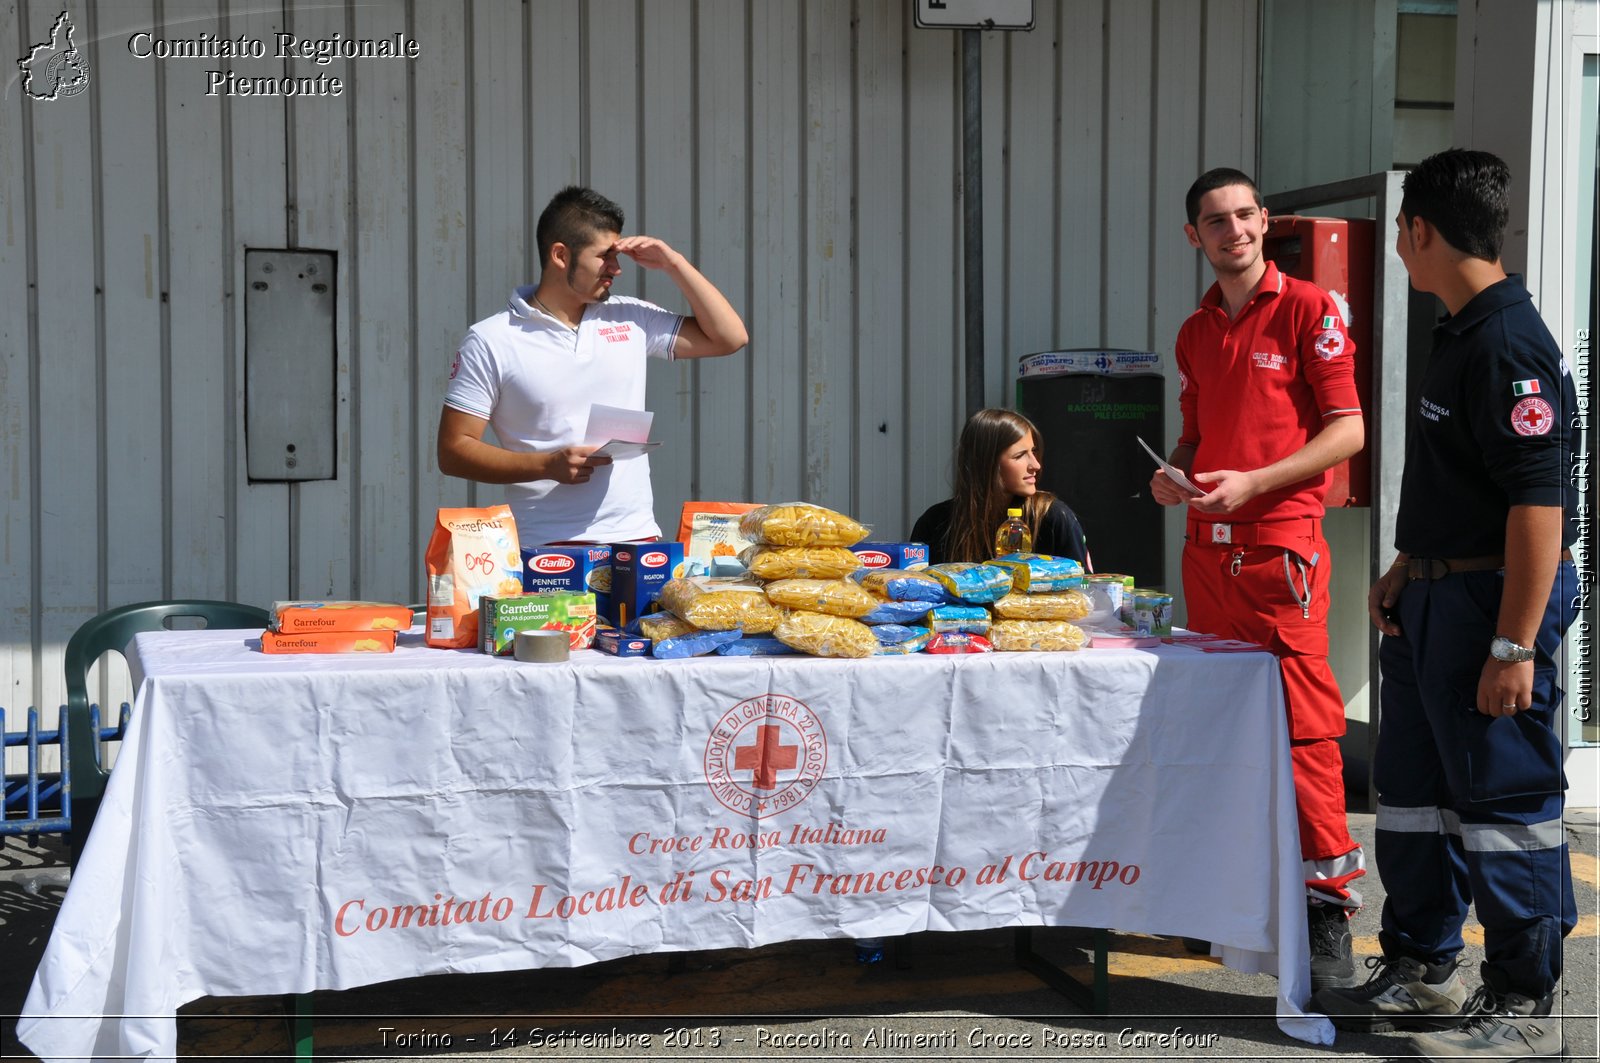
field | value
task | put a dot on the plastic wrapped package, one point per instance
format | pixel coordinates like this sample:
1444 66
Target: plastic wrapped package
957 642
974 584
801 524
1023 635
800 562
658 626
720 604
756 646
972 619
836 597
827 636
898 612
697 644
1041 573
915 644
1061 605
893 634
902 585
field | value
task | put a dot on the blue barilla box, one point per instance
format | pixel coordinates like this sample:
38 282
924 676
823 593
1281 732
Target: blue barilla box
570 568
638 572
892 555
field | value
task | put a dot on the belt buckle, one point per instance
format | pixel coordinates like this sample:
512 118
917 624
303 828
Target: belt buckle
1426 568
1222 533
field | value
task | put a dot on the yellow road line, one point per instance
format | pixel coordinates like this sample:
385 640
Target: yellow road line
1588 927
1585 868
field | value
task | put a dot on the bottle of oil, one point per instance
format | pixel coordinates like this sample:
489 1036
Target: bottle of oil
1013 536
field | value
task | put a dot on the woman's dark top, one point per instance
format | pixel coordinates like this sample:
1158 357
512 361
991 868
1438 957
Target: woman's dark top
1060 534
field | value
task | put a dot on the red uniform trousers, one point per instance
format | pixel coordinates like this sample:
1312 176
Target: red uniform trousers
1269 585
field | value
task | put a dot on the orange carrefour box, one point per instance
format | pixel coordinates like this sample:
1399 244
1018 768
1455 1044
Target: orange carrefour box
300 617
328 642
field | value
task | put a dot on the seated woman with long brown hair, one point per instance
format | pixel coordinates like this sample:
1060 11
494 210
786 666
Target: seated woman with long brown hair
996 468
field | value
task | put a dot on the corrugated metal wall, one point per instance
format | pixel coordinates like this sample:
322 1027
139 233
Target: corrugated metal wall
803 154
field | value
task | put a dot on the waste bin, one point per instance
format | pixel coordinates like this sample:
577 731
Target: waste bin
1092 407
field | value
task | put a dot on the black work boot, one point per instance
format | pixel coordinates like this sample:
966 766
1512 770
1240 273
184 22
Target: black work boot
1332 963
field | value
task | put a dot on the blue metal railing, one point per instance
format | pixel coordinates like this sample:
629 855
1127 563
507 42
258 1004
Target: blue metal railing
39 802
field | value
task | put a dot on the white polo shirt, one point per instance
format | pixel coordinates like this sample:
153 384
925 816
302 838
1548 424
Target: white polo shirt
533 379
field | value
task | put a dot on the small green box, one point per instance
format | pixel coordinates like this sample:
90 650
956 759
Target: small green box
500 618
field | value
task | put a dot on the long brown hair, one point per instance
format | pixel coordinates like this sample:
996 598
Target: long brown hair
979 504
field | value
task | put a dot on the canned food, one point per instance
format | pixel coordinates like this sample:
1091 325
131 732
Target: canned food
1152 612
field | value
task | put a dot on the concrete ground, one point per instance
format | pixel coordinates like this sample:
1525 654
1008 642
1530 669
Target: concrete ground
961 994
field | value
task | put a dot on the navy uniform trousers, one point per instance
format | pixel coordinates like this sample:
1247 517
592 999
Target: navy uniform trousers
1470 805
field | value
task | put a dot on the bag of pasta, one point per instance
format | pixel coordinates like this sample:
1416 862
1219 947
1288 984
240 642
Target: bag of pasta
1017 636
693 644
658 626
971 619
974 584
836 597
916 644
1062 605
902 585
827 636
801 524
1041 573
897 612
800 562
720 604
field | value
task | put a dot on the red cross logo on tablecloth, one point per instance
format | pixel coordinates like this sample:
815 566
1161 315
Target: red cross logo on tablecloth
766 757
1532 417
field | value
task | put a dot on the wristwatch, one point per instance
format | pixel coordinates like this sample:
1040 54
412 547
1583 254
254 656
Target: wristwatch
1503 649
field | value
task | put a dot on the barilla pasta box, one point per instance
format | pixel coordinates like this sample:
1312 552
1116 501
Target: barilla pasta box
620 643
573 569
892 555
638 572
327 642
501 617
301 617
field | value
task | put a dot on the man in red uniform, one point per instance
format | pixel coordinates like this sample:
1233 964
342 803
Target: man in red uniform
1268 397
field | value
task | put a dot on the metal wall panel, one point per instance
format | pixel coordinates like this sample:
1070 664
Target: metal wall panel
804 155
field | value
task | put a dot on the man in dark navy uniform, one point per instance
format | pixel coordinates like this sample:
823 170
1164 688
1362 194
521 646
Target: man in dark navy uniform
1473 613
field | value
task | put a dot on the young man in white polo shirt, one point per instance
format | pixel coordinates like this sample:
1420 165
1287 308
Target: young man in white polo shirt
532 371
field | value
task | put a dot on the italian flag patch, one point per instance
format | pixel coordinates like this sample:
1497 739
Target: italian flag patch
1330 322
1525 387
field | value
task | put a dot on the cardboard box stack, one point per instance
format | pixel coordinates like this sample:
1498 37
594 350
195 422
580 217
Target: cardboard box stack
334 627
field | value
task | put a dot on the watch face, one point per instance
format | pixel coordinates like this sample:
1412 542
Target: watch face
1503 649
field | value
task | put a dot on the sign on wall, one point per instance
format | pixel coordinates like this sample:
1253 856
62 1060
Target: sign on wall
975 14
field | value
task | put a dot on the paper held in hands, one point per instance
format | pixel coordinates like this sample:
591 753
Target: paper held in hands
1174 473
621 433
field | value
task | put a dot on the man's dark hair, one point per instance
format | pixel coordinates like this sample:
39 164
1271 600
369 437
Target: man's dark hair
1212 180
1463 194
572 217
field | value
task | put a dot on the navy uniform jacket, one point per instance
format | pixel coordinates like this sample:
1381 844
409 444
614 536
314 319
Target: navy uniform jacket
1495 427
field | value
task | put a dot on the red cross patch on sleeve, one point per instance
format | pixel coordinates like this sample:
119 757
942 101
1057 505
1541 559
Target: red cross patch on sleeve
1532 417
1329 344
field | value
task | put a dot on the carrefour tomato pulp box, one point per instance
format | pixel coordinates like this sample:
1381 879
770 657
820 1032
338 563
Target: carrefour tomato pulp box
570 568
500 618
638 572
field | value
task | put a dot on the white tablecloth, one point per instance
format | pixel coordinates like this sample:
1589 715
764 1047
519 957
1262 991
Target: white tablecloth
281 824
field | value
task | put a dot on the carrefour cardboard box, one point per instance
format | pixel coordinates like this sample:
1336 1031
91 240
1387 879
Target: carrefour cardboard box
892 555
500 618
638 572
570 568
